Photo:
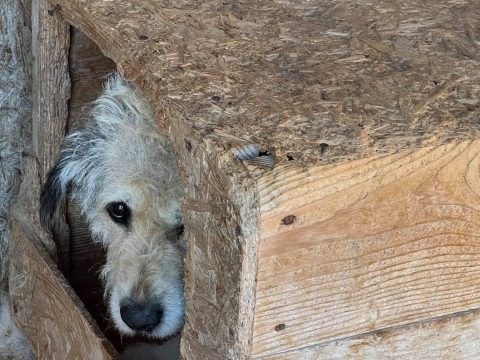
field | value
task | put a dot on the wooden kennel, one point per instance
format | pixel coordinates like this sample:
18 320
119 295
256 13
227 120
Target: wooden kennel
352 232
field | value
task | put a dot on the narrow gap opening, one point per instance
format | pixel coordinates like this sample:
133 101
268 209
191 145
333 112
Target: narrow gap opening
88 71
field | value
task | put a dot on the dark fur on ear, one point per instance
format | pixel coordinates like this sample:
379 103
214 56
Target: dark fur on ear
52 192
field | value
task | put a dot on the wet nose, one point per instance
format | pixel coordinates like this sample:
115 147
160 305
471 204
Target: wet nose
141 316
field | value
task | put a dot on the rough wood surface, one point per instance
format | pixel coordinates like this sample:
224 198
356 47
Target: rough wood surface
51 91
45 308
321 81
367 245
452 337
221 220
51 83
316 82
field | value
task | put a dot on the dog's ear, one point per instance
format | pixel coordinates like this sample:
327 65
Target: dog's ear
53 191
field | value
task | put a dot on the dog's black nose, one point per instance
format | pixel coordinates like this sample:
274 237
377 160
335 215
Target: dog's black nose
141 316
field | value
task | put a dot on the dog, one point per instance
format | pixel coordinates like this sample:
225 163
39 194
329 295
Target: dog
123 175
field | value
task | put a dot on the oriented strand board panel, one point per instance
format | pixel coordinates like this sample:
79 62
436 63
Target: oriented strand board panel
367 245
450 338
49 313
358 77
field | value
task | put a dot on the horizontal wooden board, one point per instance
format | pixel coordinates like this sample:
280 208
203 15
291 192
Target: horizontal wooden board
367 245
45 308
449 338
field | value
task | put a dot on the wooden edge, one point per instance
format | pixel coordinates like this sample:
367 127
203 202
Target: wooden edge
455 336
50 95
45 308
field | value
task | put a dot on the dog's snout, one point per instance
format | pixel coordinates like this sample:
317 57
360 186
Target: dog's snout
141 316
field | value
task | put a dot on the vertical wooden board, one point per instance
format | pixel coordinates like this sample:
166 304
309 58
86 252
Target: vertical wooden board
454 337
367 245
45 308
51 82
50 94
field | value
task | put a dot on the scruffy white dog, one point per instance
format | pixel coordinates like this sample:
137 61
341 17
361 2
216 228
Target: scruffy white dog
123 174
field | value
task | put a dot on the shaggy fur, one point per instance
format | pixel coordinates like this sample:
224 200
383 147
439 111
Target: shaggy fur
119 156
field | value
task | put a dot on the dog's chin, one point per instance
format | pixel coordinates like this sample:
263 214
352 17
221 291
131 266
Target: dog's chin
171 324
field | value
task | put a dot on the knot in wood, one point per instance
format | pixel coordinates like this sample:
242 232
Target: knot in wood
289 220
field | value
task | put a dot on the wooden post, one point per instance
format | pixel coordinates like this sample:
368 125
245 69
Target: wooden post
50 94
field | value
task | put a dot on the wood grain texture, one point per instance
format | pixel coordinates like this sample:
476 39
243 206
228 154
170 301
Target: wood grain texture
451 338
51 83
50 94
317 82
46 309
373 244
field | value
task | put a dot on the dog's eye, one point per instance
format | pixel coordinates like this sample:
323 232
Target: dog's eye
119 212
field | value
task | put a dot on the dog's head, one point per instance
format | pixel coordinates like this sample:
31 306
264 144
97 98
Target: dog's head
124 177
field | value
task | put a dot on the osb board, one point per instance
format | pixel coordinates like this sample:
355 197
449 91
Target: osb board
450 338
220 222
367 245
360 78
46 309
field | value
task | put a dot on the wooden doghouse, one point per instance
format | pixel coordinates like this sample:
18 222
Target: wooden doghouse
351 230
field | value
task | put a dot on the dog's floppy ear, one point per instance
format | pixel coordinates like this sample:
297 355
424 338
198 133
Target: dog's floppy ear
53 191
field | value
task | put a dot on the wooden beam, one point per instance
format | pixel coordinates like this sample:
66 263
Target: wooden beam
367 245
50 94
44 306
451 337
51 82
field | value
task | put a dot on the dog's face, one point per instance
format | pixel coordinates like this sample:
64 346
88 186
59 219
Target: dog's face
123 175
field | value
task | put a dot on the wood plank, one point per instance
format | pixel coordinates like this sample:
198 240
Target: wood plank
454 337
50 94
51 83
367 245
47 310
